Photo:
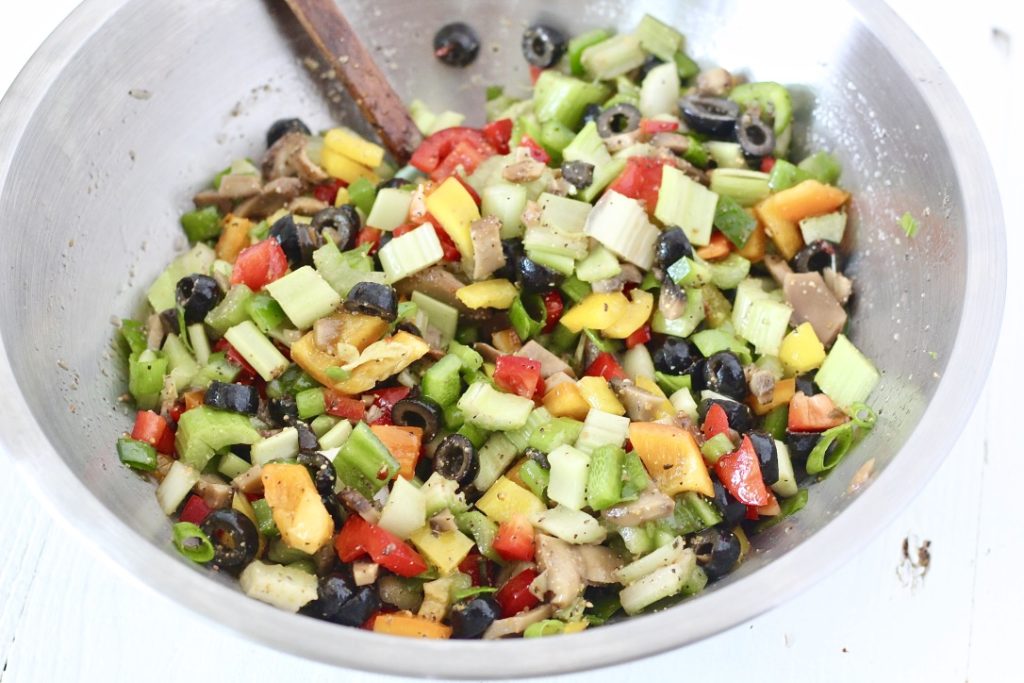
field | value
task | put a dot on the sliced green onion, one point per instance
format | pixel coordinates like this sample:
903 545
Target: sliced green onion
264 518
909 224
191 542
715 447
863 416
548 627
823 457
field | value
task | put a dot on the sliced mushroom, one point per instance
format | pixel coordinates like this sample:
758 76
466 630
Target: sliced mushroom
652 504
641 405
552 381
208 197
249 481
275 195
489 353
443 521
813 302
778 267
531 216
288 157
841 286
761 383
365 573
525 171
671 300
716 81
517 624
360 504
549 362
617 143
239 186
559 569
485 234
598 563
440 284
306 206
214 491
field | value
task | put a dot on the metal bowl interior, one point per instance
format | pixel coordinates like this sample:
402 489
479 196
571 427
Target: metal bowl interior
131 106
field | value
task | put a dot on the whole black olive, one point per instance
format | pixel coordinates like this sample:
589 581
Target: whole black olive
533 277
283 411
675 357
732 511
234 537
579 174
713 116
672 245
755 136
512 249
341 601
697 376
538 456
817 256
801 444
406 326
456 44
278 129
321 469
470 618
543 46
648 64
419 412
334 509
723 374
805 383
197 295
298 242
590 113
618 119
238 398
740 417
456 459
767 455
718 551
373 298
342 220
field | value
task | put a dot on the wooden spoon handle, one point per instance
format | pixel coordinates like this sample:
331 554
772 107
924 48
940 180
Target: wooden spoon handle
380 104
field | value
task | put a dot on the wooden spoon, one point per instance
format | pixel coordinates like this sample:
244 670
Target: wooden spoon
334 37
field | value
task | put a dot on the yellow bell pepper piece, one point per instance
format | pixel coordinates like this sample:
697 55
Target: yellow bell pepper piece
672 458
410 626
443 550
801 350
634 317
649 385
596 312
381 360
566 400
598 394
454 208
784 390
498 293
506 499
575 626
295 504
341 167
341 198
356 329
349 144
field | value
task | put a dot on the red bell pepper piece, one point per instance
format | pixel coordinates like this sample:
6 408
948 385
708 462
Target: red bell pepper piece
369 236
358 537
537 152
498 133
328 192
385 399
652 126
451 252
342 406
517 375
236 358
813 413
154 430
403 228
440 154
605 366
514 541
259 265
477 567
641 336
740 473
515 596
553 307
641 179
195 510
715 422
767 164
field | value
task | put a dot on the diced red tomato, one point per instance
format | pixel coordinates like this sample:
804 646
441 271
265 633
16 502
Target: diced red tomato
813 413
767 164
537 152
153 429
195 510
641 336
343 406
605 366
515 596
517 375
358 537
715 422
248 372
369 236
440 154
652 126
498 133
451 252
535 72
259 265
328 192
553 307
514 541
385 399
477 566
469 188
641 179
740 473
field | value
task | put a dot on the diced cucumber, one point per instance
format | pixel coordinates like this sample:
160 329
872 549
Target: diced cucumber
505 201
846 376
571 526
390 209
287 588
568 483
495 457
441 316
405 510
488 408
177 483
281 446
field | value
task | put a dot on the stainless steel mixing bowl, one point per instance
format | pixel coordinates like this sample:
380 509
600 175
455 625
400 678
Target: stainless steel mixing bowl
131 105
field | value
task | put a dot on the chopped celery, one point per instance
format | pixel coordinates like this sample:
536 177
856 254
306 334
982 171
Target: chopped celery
520 438
717 309
604 477
600 264
571 526
771 98
661 557
535 477
829 227
580 43
523 323
612 57
146 378
204 430
603 175
765 325
481 529
476 435
422 116
690 272
686 67
257 350
202 224
409 254
658 585
281 446
726 154
322 424
390 209
305 296
180 364
745 186
735 223
488 408
822 166
729 272
620 224
682 401
447 119
687 204
568 482
673 383
602 429
785 175
405 510
658 38
684 325
560 262
557 97
495 456
218 368
715 447
310 403
505 201
337 435
442 317
709 342
548 237
846 376
200 342
659 93
134 334
231 466
747 292
441 381
265 312
563 214
575 289
785 485
177 484
556 433
554 137
471 360
363 462
589 147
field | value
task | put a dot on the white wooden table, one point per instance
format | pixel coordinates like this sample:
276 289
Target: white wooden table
65 615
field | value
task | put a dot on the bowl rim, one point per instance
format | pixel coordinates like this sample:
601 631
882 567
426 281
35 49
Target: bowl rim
109 538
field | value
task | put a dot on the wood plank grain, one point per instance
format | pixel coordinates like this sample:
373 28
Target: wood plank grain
357 70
